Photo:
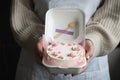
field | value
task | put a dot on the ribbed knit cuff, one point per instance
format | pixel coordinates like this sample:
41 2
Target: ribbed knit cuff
93 33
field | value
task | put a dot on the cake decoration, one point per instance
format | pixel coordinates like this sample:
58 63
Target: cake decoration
65 54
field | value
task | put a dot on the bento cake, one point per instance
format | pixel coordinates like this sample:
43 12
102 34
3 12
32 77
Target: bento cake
63 54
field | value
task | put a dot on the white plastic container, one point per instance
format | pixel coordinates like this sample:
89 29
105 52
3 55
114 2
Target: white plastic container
66 70
65 25
60 19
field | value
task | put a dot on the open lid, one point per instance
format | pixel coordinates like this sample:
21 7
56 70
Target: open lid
65 24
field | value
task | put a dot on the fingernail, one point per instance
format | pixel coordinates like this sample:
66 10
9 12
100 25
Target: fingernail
88 57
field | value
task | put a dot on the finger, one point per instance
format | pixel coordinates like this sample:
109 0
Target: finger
45 44
89 50
87 57
40 46
39 52
83 44
89 54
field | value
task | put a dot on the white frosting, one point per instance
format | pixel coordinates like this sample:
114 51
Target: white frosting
65 50
65 55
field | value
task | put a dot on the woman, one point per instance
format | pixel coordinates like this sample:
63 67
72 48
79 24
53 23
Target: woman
102 36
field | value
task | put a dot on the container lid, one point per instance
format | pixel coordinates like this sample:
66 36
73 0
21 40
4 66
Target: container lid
65 24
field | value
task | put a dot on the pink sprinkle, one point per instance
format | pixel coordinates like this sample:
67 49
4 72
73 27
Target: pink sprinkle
77 48
50 49
55 53
59 52
69 44
72 54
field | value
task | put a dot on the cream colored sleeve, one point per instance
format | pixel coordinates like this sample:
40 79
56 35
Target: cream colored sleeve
26 26
104 28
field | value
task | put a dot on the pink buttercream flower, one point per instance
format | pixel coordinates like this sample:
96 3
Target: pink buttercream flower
72 54
50 49
77 48
59 52
55 53
69 44
55 44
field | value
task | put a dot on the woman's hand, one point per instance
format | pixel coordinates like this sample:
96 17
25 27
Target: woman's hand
88 45
89 48
41 46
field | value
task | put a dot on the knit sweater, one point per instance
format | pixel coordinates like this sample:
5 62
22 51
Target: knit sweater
103 28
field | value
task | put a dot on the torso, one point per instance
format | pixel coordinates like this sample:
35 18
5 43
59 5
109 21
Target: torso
88 7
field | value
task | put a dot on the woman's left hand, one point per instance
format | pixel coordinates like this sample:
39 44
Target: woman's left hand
89 48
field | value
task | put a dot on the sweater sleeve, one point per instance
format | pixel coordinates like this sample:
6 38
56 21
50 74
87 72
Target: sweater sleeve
26 26
104 28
